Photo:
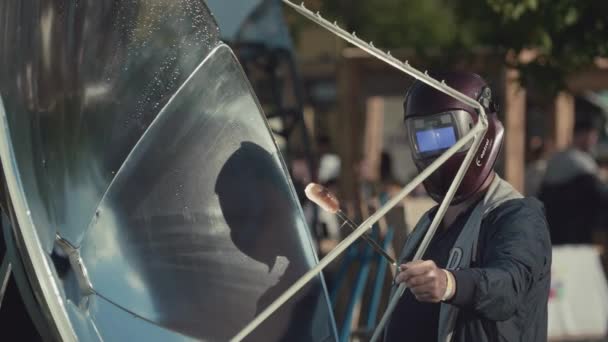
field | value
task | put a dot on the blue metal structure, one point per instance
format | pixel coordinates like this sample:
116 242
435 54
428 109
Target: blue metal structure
362 257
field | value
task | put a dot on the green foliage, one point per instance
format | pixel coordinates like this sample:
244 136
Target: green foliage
512 9
398 23
568 34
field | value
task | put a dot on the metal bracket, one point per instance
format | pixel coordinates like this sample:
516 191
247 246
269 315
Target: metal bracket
80 271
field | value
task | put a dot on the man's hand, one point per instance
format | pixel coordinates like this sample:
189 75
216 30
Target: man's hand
426 281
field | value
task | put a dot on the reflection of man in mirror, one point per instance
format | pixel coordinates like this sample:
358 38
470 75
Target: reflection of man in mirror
265 224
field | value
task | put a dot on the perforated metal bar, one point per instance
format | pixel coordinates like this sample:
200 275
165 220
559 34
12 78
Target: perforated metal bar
385 56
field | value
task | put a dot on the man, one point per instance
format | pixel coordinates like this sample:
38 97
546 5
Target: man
575 198
486 273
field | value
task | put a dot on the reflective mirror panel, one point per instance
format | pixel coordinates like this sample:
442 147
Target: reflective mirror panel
81 81
148 170
201 229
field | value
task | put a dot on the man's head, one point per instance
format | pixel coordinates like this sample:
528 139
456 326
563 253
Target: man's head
586 125
435 121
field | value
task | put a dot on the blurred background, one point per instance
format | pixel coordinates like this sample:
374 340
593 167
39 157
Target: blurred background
337 116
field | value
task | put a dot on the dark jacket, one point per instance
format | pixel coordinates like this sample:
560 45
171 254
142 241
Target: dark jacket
504 296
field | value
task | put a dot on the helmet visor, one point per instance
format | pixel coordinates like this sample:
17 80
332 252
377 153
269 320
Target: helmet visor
430 135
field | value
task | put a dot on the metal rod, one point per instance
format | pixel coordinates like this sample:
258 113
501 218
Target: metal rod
367 238
5 275
367 224
445 203
385 56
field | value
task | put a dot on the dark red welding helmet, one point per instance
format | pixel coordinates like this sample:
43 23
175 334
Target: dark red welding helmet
435 121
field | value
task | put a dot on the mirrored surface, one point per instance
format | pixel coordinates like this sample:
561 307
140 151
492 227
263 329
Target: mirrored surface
146 168
201 229
81 81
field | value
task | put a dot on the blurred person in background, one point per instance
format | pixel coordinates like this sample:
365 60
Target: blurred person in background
329 162
536 166
575 198
300 175
389 182
328 226
486 273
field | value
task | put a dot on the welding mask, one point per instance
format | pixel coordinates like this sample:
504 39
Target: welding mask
436 121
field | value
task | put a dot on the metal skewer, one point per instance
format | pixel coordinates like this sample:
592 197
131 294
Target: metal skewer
322 197
367 238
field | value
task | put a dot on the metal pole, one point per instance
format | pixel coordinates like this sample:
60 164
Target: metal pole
384 56
367 224
432 229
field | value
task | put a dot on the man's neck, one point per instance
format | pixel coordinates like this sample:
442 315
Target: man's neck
454 211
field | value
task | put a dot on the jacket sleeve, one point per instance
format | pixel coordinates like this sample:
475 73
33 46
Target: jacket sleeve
602 191
516 255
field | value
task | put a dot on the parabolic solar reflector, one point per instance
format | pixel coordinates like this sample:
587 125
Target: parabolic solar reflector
146 198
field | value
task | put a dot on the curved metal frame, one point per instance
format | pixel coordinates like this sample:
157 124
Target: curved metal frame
42 269
476 134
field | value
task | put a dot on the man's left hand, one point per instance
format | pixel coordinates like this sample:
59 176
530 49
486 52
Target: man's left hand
426 281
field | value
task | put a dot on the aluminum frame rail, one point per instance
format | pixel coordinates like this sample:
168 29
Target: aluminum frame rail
445 203
475 134
42 268
385 56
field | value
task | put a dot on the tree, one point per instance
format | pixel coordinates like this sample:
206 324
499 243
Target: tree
566 34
